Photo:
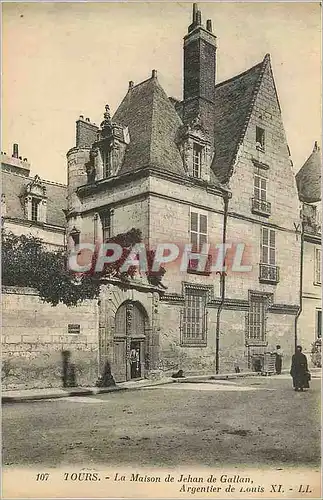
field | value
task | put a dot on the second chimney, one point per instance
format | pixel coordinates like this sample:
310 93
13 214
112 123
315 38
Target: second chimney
15 151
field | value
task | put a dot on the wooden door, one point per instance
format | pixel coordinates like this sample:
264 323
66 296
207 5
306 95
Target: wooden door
119 368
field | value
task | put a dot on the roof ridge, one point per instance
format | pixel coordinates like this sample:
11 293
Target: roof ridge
239 75
32 177
140 83
155 84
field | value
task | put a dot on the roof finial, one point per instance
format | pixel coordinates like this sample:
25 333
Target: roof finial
316 147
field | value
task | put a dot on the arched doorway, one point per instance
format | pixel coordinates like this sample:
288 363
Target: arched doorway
130 342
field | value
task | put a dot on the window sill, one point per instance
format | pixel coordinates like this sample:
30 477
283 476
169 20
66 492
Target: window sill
194 344
260 148
201 273
37 222
260 212
256 343
259 164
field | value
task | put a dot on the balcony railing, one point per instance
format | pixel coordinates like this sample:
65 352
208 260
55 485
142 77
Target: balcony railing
312 226
268 273
261 207
193 266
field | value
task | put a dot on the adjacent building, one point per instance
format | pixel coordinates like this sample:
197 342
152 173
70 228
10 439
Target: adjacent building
309 188
31 205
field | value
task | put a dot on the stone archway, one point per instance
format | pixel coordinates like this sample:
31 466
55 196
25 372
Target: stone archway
130 341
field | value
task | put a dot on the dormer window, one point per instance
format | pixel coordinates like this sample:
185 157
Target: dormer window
34 200
197 160
260 138
195 148
35 204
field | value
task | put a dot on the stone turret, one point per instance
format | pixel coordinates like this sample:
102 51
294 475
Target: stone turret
77 158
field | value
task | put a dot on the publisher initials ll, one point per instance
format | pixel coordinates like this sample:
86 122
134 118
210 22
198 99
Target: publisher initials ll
304 488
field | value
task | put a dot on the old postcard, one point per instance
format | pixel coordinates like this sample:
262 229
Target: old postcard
161 250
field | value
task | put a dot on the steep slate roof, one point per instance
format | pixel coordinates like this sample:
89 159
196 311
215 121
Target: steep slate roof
153 123
234 99
13 186
309 177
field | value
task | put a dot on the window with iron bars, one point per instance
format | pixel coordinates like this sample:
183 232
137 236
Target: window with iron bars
194 317
255 327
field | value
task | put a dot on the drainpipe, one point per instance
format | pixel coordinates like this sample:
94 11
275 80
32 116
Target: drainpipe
222 285
299 312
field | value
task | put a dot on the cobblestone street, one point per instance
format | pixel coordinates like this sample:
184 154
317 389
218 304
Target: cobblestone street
241 422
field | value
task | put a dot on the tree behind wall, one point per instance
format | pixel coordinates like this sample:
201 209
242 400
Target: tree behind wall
27 263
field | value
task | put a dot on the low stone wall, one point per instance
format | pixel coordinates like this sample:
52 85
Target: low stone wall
35 335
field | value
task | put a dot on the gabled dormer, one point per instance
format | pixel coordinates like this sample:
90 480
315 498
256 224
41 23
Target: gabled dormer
195 148
108 150
34 199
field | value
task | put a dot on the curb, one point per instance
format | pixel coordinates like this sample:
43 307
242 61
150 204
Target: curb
118 388
73 393
79 392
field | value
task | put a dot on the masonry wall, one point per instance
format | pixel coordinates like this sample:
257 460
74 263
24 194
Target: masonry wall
169 222
34 334
53 239
232 348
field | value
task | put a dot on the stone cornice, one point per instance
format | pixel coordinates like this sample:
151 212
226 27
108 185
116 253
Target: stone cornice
39 225
236 215
312 238
145 172
283 308
133 283
232 304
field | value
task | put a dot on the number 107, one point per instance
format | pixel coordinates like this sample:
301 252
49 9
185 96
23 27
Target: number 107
43 476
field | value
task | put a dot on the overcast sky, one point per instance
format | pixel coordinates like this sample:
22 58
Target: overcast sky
66 59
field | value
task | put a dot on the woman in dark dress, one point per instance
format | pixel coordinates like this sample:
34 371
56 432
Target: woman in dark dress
299 370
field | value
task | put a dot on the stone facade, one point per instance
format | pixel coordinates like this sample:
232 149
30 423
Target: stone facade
33 340
213 167
160 201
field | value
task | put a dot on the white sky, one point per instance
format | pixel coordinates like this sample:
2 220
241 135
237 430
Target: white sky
66 59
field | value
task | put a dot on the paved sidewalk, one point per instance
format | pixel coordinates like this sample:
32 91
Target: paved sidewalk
16 396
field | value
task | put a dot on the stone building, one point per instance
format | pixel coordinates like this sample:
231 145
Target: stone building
31 205
212 167
309 188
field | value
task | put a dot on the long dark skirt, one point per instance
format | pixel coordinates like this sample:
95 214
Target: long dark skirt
300 381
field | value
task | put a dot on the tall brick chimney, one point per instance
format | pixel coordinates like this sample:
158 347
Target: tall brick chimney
199 70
